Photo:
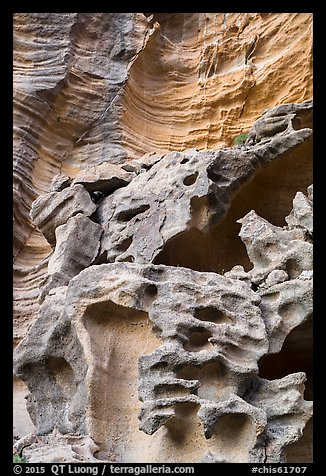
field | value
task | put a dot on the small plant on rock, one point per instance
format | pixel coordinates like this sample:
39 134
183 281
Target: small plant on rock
241 139
18 459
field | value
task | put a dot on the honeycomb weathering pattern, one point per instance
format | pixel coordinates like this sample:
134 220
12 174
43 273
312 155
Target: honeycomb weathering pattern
90 88
186 343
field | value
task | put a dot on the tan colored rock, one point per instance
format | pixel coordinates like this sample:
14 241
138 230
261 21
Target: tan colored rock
122 131
189 191
98 87
211 343
57 448
204 78
70 71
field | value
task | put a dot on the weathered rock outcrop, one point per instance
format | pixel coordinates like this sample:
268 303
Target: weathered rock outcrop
57 448
120 334
94 88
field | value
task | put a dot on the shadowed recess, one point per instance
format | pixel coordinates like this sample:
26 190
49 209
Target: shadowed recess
270 193
295 356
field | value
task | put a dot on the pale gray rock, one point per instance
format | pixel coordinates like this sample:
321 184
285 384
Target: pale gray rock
282 261
57 448
280 121
302 213
310 191
305 275
183 191
50 361
59 182
105 178
238 272
77 246
276 276
55 208
148 160
273 248
204 320
279 399
184 339
285 306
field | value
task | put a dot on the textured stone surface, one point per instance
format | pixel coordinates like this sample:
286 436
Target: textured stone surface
205 333
302 214
280 120
184 191
105 178
163 281
98 87
270 248
57 448
77 246
213 334
214 329
282 261
55 208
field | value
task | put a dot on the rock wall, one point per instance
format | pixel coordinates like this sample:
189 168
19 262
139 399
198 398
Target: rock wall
91 88
163 276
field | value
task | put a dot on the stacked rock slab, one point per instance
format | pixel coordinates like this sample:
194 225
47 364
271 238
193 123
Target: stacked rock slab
199 335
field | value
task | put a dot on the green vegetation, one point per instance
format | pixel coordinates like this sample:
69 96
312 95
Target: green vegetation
241 139
19 459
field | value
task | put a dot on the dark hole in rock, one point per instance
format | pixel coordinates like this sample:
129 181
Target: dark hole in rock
293 269
160 366
218 178
295 356
105 186
184 161
211 314
101 259
270 193
254 286
211 71
96 196
124 244
172 390
302 120
190 180
151 290
198 340
127 215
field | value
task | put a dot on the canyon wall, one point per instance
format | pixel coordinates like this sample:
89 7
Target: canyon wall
162 274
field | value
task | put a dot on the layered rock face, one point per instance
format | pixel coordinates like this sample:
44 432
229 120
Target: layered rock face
164 279
91 88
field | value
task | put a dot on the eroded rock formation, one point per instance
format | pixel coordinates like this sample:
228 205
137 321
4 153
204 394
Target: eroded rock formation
95 88
127 330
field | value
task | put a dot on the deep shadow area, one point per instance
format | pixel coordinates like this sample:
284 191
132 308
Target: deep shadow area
295 356
270 193
301 450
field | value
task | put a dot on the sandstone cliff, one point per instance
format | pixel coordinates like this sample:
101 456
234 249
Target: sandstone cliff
159 263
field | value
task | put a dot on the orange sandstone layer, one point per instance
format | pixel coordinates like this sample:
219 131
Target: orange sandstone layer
98 87
204 78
